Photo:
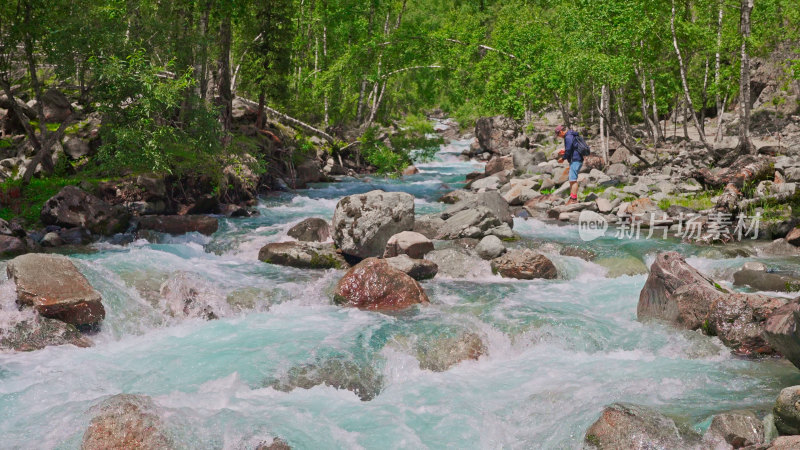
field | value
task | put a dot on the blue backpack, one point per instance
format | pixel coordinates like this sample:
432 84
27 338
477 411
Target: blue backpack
580 145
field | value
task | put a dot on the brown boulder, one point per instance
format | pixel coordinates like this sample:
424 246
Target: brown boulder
524 265
560 176
794 237
54 287
37 332
629 426
593 162
410 170
739 320
126 421
73 207
180 224
311 230
782 333
10 245
374 284
499 164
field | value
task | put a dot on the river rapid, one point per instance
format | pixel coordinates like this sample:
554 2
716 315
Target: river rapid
557 350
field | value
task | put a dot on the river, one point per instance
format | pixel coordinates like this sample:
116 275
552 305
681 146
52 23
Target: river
557 351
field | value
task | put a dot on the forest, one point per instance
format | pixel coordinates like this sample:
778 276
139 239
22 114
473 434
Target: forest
163 75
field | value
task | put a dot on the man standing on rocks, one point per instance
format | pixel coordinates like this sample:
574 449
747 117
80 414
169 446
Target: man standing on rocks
571 154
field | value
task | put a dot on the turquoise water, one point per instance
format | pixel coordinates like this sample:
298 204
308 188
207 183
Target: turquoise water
557 351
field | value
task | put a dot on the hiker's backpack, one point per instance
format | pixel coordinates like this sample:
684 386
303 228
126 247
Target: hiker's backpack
580 145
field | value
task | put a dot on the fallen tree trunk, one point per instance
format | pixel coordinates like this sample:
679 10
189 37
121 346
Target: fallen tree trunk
728 202
746 169
292 121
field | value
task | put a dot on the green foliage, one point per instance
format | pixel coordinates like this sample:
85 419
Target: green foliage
143 130
699 202
26 202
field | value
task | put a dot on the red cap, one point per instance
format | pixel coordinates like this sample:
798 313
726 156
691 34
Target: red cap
560 128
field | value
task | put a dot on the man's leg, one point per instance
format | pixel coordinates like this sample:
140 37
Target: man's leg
573 189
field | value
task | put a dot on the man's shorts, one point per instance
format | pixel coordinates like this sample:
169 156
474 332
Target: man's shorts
574 168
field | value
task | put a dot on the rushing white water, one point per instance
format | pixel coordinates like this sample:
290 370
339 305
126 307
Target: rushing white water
557 351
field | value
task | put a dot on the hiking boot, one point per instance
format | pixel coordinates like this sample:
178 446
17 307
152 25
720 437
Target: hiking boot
572 201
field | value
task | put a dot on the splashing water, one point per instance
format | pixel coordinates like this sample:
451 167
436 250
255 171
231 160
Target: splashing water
550 353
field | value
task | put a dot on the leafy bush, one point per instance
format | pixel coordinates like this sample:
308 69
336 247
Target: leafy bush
149 121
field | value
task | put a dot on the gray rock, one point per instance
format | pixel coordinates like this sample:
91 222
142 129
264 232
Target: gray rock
503 231
364 381
144 208
363 224
617 170
787 411
779 247
754 266
311 230
52 239
603 205
409 243
458 263
620 156
76 148
418 269
490 247
784 443
736 428
73 207
491 183
153 185
55 288
444 352
428 226
766 281
303 255
782 332
629 426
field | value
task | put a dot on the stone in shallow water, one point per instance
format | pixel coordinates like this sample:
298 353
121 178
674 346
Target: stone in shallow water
206 225
338 373
38 332
418 269
54 287
445 352
188 295
524 265
311 230
374 284
126 421
787 411
619 266
458 263
303 255
736 428
629 426
409 243
363 223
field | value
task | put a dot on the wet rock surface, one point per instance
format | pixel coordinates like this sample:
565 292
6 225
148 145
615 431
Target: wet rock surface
55 288
418 269
36 333
524 265
338 373
363 223
311 230
630 426
126 421
374 284
303 255
206 225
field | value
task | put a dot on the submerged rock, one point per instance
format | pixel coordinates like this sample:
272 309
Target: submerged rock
629 426
443 353
766 281
524 265
55 288
338 373
624 265
36 333
736 428
363 223
418 269
206 225
303 255
311 230
408 243
277 444
188 295
374 284
73 207
126 421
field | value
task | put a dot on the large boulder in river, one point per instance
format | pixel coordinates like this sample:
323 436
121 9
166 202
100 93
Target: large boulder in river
766 281
524 265
374 284
476 216
678 294
363 223
312 229
206 225
408 243
458 263
126 421
55 288
73 207
629 426
303 255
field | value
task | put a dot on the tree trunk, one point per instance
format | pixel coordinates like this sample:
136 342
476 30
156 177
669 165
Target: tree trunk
659 133
603 134
684 82
225 96
564 107
745 145
717 62
720 122
643 91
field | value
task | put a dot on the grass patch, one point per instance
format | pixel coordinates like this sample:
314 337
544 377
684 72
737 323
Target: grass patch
26 201
699 202
6 143
547 191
